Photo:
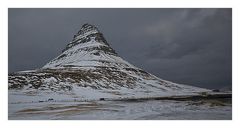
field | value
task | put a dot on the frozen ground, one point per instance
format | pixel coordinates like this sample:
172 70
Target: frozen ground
123 110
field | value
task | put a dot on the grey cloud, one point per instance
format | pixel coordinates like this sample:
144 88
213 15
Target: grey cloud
190 46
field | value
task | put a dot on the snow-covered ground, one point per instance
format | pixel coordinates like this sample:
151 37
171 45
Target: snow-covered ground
122 110
27 95
88 69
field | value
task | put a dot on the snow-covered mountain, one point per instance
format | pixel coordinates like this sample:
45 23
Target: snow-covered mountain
88 68
88 49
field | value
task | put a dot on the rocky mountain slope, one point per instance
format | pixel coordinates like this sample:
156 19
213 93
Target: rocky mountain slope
88 68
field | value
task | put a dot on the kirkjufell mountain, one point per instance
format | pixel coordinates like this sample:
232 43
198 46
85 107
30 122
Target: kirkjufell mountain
89 68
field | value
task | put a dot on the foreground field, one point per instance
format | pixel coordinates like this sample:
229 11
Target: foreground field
123 110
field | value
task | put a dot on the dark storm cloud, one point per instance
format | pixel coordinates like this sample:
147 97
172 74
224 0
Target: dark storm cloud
190 46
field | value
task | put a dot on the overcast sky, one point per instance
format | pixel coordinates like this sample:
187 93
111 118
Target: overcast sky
188 46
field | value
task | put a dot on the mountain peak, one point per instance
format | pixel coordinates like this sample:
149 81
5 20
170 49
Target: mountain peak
87 33
88 26
87 29
88 48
